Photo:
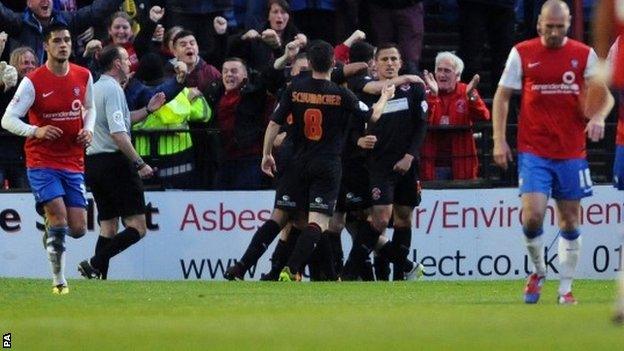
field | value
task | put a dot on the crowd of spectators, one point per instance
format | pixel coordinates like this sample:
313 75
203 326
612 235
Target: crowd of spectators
221 64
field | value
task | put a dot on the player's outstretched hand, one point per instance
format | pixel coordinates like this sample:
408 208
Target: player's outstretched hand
502 154
268 165
84 137
595 129
358 35
403 165
48 132
367 142
147 171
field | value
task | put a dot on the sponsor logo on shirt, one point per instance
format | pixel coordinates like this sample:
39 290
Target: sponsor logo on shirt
567 86
75 113
285 201
396 105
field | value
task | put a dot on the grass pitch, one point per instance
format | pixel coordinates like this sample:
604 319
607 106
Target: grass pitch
182 315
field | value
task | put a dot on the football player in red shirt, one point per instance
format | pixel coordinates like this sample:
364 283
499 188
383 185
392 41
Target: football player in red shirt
58 99
550 71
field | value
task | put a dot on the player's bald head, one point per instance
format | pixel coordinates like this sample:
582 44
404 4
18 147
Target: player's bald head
555 8
553 23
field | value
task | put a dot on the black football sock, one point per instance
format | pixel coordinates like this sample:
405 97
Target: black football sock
261 240
366 270
118 243
402 239
336 250
382 268
279 257
326 257
394 254
102 242
293 236
304 247
363 244
314 266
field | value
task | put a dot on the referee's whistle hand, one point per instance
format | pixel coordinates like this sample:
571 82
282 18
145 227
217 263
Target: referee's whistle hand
146 172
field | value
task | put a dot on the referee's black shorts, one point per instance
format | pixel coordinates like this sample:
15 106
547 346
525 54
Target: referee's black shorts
115 184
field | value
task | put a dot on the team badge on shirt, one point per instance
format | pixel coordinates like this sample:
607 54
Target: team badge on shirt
376 193
76 91
460 106
118 118
574 63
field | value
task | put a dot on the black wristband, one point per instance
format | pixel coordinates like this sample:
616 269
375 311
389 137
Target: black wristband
139 164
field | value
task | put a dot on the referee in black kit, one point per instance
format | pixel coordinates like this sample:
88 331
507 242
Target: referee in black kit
113 167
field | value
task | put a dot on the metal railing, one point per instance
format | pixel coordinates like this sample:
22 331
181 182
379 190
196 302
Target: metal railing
206 151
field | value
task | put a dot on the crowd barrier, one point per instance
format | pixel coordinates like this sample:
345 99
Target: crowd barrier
462 234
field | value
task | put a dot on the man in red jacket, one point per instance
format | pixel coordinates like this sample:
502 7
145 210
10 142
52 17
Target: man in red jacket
449 151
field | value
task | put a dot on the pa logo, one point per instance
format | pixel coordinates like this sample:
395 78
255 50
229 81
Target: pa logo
6 341
318 200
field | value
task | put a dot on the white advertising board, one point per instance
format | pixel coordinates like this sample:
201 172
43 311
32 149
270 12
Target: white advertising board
457 234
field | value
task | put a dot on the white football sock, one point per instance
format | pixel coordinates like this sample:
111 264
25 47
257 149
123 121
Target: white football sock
535 246
569 253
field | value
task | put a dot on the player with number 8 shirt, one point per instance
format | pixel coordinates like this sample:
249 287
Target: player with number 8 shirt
321 111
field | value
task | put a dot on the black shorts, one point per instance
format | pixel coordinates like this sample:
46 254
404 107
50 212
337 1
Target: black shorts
115 184
310 185
354 188
389 187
